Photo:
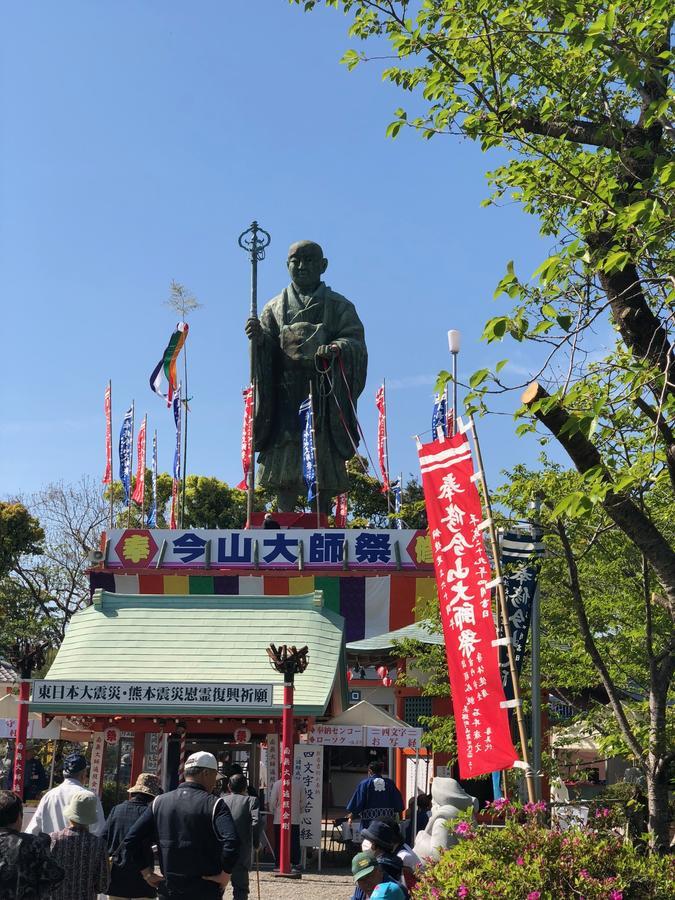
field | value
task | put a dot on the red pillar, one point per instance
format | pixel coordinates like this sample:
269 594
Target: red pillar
286 777
138 756
21 735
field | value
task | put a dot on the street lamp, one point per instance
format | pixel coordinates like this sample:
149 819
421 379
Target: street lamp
453 343
289 661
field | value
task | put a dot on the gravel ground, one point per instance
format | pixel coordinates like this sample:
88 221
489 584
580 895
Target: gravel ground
331 885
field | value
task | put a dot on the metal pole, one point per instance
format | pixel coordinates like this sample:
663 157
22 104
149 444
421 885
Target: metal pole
184 435
111 486
487 506
454 393
316 456
413 824
536 662
254 240
453 343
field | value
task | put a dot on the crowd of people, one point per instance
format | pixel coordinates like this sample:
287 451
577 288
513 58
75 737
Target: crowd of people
188 843
203 839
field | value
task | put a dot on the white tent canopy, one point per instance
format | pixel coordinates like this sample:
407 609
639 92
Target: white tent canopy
58 728
365 725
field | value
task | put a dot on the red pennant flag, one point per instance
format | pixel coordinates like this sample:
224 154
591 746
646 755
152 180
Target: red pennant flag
381 403
341 511
107 403
463 574
138 495
174 504
246 437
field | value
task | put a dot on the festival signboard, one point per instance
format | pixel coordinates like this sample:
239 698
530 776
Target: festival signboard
463 578
327 548
189 695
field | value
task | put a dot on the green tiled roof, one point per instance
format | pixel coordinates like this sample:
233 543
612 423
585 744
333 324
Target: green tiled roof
202 639
418 631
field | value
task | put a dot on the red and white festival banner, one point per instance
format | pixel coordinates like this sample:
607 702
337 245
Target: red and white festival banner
138 495
246 437
107 477
341 511
173 518
463 577
381 403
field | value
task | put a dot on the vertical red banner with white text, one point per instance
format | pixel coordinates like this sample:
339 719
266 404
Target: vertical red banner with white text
107 475
246 437
462 574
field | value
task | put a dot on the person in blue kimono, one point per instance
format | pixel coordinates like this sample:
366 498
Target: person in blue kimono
376 797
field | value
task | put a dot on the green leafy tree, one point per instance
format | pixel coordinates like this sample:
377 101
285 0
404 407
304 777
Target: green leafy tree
20 533
578 96
368 505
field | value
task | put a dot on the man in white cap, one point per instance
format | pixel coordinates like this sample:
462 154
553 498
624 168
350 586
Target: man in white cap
195 834
50 814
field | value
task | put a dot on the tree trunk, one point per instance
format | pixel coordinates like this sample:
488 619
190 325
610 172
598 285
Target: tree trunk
621 509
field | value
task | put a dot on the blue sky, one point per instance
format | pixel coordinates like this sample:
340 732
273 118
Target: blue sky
138 139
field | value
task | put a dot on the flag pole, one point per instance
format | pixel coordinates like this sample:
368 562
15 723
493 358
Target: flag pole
184 431
109 453
316 455
255 246
501 597
131 463
386 441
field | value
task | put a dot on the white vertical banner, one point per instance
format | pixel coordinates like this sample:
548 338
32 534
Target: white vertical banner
96 764
378 591
272 769
308 767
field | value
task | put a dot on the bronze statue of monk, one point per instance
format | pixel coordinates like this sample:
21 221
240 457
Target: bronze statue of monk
308 333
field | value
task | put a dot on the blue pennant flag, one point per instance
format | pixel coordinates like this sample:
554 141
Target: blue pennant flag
152 512
520 555
126 451
176 418
308 450
439 418
397 492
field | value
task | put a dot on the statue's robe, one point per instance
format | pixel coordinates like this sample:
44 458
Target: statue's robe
293 328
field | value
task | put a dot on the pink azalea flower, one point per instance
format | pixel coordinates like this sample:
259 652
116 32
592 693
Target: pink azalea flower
616 895
462 891
534 895
583 873
520 861
462 828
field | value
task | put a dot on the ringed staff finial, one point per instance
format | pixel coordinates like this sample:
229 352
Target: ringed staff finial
254 241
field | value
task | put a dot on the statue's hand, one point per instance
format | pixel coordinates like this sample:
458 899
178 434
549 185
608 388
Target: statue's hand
326 351
253 329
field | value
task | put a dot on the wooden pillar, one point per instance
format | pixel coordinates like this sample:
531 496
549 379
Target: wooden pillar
138 756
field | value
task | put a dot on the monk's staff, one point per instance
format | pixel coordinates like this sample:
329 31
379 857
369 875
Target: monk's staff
254 241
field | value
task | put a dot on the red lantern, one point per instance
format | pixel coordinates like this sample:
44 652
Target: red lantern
350 674
382 671
387 682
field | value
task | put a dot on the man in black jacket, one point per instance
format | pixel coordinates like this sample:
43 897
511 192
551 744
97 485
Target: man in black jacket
195 834
126 879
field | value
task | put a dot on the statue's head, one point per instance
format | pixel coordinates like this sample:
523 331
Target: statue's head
448 792
306 265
